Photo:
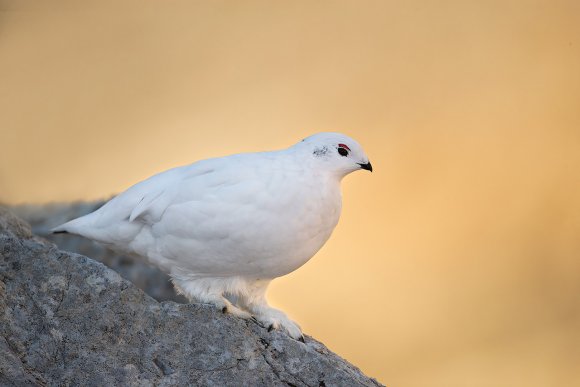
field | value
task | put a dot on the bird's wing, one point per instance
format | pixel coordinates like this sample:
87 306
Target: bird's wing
143 202
147 201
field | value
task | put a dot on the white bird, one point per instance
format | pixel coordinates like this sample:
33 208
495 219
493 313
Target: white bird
224 228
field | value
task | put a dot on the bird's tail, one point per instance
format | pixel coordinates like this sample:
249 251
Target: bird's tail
70 227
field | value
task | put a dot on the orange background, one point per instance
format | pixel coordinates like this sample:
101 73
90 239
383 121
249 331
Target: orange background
456 263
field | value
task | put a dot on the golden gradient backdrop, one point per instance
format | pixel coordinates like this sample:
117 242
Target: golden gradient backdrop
456 263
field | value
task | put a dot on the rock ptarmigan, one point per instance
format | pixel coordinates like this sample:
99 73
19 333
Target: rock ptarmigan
224 228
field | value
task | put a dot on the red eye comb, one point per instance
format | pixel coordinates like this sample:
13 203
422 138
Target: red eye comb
344 146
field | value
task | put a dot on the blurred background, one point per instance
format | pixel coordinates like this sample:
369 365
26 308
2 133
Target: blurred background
455 263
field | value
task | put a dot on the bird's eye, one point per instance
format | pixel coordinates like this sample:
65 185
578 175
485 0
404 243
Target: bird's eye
343 150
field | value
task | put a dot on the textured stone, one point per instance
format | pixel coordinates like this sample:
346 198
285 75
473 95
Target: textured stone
9 222
44 217
68 320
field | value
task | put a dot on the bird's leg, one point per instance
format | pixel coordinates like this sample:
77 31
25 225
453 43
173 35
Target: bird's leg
202 291
271 318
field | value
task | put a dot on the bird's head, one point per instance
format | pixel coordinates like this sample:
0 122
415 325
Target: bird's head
334 152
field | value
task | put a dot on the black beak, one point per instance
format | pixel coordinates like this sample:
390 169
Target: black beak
366 166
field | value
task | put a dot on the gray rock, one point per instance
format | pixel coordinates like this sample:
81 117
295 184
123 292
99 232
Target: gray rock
68 320
44 217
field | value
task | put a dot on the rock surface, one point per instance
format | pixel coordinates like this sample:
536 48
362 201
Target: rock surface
44 217
68 320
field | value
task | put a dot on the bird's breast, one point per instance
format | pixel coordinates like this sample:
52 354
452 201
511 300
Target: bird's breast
262 227
296 226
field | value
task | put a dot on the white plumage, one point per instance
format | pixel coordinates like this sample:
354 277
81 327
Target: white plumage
223 228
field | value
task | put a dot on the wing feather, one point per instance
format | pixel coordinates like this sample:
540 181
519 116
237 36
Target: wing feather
145 204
